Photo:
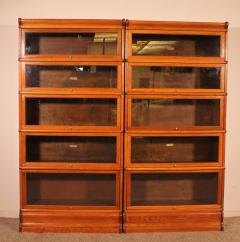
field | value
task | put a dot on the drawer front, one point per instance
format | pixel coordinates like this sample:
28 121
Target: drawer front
161 150
85 43
149 112
155 77
155 189
77 189
72 77
86 112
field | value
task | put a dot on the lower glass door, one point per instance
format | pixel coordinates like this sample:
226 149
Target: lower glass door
72 189
171 188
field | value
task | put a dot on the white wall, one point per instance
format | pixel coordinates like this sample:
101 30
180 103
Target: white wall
178 10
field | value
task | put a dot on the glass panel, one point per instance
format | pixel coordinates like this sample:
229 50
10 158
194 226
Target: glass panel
174 149
71 111
71 43
85 149
175 45
175 112
71 189
159 189
71 76
175 77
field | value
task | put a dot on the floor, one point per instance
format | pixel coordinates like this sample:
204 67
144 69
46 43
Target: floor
9 233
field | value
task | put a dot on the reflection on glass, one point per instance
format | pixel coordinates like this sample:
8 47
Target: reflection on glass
174 149
175 112
175 77
159 189
175 45
85 149
71 189
71 111
71 43
71 76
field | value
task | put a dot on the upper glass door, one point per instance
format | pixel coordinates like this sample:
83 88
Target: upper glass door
160 43
88 77
73 43
175 45
152 77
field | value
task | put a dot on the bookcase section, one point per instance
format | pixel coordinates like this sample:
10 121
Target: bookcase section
122 125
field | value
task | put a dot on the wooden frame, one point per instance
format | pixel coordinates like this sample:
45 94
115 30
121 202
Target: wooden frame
129 126
173 165
72 90
25 127
205 91
71 165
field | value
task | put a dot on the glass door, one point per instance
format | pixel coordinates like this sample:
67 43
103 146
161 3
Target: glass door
166 188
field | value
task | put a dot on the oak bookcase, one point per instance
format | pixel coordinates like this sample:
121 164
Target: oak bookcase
122 125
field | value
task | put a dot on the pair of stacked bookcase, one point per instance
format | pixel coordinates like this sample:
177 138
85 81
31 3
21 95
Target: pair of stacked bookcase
122 125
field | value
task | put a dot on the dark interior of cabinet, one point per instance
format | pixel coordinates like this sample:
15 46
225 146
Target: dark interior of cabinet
83 149
71 76
71 111
176 77
175 45
174 149
71 189
71 43
174 189
175 112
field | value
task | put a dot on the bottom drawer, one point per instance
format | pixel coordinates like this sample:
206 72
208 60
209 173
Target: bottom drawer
171 188
75 189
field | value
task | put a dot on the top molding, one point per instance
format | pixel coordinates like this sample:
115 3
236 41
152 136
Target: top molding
70 23
119 24
173 25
